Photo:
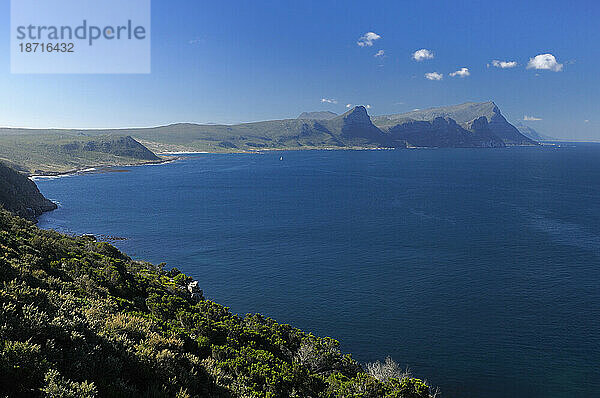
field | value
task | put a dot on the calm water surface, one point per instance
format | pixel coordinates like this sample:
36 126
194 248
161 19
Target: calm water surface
478 269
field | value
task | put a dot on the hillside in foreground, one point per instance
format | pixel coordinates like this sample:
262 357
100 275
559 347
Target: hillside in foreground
81 319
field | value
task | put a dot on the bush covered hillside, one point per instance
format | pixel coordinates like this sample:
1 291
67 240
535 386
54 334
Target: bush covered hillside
81 319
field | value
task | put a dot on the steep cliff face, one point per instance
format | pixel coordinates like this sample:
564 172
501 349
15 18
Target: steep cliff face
442 133
508 133
20 195
356 128
484 121
483 134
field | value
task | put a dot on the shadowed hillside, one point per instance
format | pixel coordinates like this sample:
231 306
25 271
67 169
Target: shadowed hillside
469 116
20 195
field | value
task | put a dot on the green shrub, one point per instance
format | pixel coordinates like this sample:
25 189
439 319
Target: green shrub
182 279
81 319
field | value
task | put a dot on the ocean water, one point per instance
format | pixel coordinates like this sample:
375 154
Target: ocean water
477 268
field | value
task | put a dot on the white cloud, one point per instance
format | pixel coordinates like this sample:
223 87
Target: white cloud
348 105
531 118
328 101
367 39
544 62
379 53
434 76
462 72
368 106
422 54
586 121
504 64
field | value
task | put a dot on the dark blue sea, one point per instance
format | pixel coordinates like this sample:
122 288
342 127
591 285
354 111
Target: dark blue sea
479 269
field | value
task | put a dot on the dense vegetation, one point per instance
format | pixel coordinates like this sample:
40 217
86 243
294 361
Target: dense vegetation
79 318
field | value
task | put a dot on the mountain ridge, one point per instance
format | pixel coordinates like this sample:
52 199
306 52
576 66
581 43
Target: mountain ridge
464 115
318 115
314 130
470 125
530 132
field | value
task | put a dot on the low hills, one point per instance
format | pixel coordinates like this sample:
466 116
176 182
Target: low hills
60 151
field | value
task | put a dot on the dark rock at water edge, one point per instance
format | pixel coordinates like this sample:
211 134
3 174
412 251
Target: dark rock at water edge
20 195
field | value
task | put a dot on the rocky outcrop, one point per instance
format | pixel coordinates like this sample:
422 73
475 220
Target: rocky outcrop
508 133
20 195
482 133
356 128
441 133
480 125
196 293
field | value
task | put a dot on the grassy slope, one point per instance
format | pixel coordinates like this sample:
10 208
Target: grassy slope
273 134
81 319
40 151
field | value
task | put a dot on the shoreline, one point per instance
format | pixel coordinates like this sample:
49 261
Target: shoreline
96 168
171 156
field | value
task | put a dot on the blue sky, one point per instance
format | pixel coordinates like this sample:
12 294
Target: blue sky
237 61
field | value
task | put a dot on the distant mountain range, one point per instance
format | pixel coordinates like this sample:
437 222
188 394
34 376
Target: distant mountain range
529 132
322 115
466 125
469 125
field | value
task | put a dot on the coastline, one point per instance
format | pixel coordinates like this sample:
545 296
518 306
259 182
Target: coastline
171 156
96 168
